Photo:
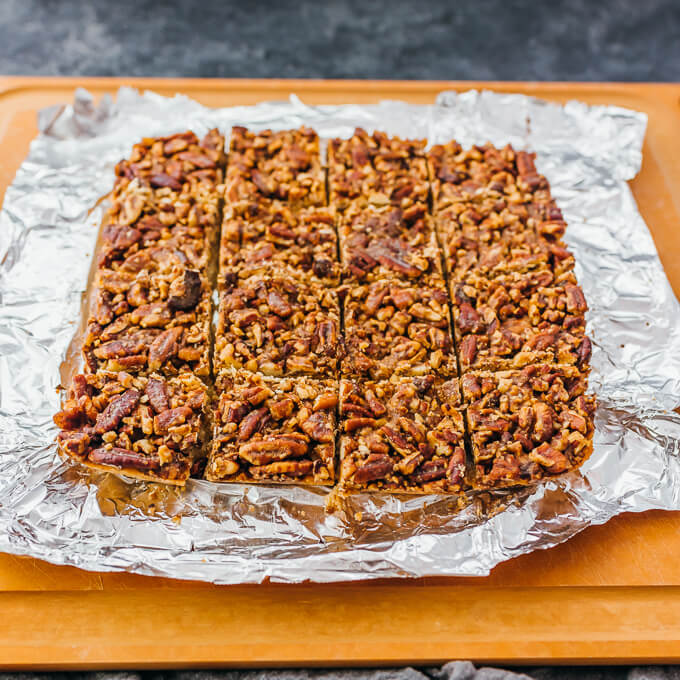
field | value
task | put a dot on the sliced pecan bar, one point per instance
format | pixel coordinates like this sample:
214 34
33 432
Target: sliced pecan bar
377 169
404 434
271 234
461 175
278 323
173 162
494 237
274 430
176 223
283 165
393 327
150 427
520 318
527 425
387 242
149 313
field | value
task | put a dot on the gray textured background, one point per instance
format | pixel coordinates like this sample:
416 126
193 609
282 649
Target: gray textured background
471 39
474 39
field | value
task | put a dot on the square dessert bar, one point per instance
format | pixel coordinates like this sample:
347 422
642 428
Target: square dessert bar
527 425
274 430
278 323
395 327
520 318
271 234
459 175
284 165
149 313
150 427
405 434
174 162
139 218
492 236
377 168
379 242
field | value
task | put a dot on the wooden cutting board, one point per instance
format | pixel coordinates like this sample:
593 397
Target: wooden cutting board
609 595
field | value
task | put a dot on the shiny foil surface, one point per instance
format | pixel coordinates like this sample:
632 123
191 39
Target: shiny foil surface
61 512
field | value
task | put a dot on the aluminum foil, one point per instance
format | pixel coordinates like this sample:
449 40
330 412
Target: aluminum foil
58 511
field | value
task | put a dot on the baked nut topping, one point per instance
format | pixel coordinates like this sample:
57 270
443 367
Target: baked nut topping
149 313
384 242
272 234
405 434
274 430
527 425
146 426
270 165
377 169
174 162
277 323
393 327
283 359
520 318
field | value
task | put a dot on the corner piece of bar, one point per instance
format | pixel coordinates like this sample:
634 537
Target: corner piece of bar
277 323
404 435
149 427
528 425
274 430
173 162
397 327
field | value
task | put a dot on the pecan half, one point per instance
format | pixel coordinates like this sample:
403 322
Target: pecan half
157 392
251 422
118 408
124 458
164 347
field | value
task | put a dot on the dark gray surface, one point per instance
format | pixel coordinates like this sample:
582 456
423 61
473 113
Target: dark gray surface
456 670
472 39
483 39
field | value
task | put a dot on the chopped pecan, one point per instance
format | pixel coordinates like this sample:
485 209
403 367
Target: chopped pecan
161 179
430 471
171 417
185 292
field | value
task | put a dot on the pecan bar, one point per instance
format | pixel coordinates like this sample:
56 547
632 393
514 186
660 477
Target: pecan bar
149 313
388 242
271 234
278 323
184 223
377 169
174 162
393 327
527 425
283 165
150 427
274 430
520 318
460 175
491 236
402 435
